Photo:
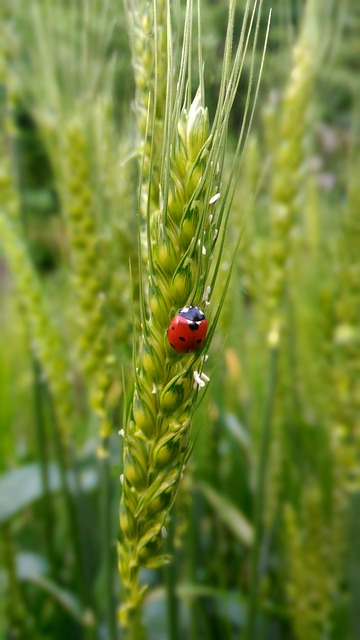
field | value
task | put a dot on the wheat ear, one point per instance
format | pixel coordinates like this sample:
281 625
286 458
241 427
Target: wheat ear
292 125
185 241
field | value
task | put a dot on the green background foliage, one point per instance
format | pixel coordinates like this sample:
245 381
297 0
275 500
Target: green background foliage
264 531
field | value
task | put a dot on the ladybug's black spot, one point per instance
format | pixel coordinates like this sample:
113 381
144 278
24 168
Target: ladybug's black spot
172 345
198 341
172 328
193 326
182 339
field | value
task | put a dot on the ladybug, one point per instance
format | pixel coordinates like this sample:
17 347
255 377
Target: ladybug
187 330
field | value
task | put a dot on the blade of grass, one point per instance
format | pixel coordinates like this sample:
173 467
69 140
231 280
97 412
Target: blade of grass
41 438
71 502
171 579
256 568
107 551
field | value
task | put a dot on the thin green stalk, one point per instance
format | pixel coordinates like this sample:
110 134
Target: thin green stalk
353 563
20 623
293 359
193 555
78 542
137 630
256 568
170 579
107 553
48 514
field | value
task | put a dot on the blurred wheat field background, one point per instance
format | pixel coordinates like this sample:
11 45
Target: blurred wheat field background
155 155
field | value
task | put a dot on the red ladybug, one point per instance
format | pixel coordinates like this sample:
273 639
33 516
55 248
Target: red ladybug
187 330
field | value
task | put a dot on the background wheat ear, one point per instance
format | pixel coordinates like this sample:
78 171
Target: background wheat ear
186 221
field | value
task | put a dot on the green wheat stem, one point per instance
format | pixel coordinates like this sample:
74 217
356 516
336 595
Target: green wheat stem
256 568
47 347
41 438
137 631
293 351
65 458
61 456
45 339
185 236
15 606
192 556
107 553
170 581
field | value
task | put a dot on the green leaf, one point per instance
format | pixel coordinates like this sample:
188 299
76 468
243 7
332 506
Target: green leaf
225 604
30 564
32 567
20 487
66 599
229 514
154 562
237 430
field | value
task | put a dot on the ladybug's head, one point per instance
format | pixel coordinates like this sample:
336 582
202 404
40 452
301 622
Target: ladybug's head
194 314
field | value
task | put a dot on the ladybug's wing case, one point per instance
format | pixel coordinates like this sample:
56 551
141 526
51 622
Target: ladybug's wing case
185 335
178 334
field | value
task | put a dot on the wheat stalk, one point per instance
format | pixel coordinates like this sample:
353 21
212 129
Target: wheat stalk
45 340
291 124
147 35
313 562
185 241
